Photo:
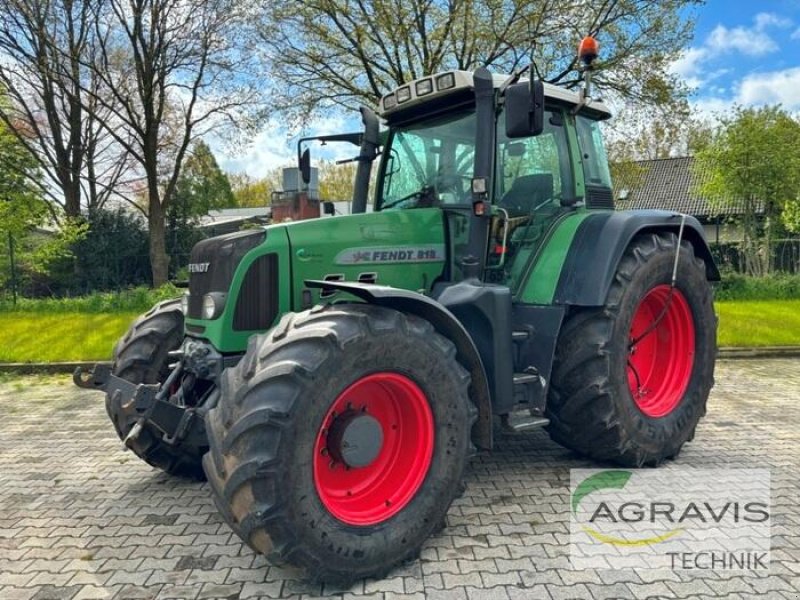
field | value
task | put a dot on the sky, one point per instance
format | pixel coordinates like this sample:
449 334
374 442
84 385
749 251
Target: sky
743 52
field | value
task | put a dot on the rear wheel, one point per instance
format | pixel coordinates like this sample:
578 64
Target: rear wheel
340 440
631 379
142 356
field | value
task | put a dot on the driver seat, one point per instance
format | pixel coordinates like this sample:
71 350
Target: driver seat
526 193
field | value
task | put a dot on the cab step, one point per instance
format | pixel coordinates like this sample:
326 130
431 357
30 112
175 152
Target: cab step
522 420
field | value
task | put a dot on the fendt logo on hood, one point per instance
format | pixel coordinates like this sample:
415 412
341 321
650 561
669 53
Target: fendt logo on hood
199 267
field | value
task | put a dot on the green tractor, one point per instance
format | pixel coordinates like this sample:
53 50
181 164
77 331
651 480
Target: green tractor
332 377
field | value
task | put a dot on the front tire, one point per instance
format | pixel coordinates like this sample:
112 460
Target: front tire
142 356
624 389
340 440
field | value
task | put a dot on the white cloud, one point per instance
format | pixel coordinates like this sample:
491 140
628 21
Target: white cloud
276 146
776 87
796 34
708 109
763 20
692 65
269 148
689 66
748 41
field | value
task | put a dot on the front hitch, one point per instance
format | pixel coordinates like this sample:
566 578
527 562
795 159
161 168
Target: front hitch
148 405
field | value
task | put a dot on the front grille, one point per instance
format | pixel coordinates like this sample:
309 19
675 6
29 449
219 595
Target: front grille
214 262
257 304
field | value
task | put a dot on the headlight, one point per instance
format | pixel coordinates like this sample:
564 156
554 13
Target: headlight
403 94
446 81
185 303
389 101
213 304
424 87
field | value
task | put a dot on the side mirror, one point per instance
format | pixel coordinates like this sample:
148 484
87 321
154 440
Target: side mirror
305 166
328 208
525 109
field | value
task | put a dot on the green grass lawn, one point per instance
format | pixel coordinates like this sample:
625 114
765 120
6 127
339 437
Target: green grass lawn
759 323
43 337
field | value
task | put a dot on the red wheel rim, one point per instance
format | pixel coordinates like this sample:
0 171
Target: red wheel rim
373 493
660 364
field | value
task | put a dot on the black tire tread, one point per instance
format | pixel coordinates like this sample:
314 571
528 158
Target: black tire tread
582 407
141 356
246 428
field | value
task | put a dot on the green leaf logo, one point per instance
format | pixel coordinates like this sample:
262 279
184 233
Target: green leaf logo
599 481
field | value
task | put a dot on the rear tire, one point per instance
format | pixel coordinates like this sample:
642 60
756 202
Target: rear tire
637 408
280 482
142 356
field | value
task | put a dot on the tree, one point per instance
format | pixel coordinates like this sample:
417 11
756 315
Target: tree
45 45
336 181
202 187
339 53
252 192
23 209
170 71
751 163
21 204
114 253
636 135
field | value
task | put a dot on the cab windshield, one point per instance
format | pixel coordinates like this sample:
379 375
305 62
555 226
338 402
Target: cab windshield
430 163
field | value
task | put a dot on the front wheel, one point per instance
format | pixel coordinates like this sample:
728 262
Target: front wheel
340 440
631 379
142 356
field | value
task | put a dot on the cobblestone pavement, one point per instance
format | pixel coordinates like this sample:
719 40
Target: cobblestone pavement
80 518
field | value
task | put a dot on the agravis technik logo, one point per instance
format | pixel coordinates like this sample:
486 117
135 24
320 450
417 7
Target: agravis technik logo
670 518
613 480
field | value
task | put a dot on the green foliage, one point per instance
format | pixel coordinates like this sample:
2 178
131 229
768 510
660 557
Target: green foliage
736 287
134 300
21 204
59 246
254 193
355 51
751 163
202 185
791 215
112 255
336 181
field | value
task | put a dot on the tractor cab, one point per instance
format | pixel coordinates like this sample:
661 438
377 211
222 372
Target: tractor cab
531 181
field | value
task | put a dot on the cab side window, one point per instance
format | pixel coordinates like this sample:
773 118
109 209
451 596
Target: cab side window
532 172
593 152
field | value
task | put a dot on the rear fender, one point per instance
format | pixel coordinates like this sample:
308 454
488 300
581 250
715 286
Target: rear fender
600 242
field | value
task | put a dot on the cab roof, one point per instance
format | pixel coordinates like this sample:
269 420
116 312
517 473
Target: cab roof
420 92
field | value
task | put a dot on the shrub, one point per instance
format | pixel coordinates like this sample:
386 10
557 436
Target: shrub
735 286
138 299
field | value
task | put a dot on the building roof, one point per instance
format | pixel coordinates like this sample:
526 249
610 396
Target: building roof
667 184
227 217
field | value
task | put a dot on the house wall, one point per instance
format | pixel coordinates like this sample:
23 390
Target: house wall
723 232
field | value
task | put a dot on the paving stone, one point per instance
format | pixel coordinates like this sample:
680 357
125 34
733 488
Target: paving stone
113 527
270 589
56 592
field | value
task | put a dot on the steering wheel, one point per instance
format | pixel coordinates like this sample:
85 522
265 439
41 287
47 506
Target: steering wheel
459 185
425 197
